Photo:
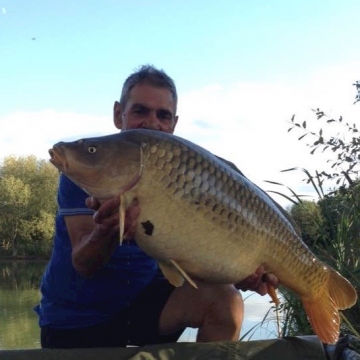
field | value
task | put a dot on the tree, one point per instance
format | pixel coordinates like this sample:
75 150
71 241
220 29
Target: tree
14 200
308 216
27 205
345 149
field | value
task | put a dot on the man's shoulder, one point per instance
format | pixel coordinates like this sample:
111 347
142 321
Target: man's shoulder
66 183
71 198
232 165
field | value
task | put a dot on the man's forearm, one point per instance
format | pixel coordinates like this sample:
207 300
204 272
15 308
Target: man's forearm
94 250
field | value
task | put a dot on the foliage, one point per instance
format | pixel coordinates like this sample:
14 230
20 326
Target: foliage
294 321
345 164
27 206
14 199
330 226
309 218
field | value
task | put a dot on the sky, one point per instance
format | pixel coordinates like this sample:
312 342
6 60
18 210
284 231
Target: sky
242 69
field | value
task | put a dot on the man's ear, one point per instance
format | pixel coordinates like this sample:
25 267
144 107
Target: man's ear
118 112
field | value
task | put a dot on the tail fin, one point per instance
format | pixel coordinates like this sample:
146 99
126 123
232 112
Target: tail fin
323 310
341 291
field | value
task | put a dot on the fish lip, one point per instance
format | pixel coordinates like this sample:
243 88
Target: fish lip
52 154
57 158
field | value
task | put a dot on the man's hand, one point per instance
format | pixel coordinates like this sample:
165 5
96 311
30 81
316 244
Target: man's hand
107 215
259 282
94 239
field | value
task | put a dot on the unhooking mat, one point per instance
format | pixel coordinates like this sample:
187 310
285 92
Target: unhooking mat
291 348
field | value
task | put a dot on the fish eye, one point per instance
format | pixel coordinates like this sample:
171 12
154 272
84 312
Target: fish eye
92 149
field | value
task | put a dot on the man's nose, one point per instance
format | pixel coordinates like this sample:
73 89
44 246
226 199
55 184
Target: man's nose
151 121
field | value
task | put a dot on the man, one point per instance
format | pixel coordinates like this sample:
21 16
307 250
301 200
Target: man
96 293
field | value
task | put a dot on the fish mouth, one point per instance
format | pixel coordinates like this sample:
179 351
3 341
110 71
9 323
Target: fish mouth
57 158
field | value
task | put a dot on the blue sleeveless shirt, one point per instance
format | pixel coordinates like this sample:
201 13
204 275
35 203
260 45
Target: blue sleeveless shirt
70 300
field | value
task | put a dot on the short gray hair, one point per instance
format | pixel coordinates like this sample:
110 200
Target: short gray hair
148 74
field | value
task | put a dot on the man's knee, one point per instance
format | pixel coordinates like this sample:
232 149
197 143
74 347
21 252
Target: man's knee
217 310
229 307
224 317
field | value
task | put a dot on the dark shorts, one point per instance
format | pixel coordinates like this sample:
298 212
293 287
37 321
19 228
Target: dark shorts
137 324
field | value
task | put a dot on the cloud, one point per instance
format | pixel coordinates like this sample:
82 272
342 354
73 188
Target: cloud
3 10
33 133
247 123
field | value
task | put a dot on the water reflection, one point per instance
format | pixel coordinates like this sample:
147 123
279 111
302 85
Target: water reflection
19 293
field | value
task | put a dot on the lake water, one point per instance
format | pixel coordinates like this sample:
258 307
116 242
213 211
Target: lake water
19 293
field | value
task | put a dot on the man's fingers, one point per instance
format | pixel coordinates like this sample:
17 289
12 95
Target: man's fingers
107 215
110 222
107 209
92 203
270 279
108 232
259 282
133 213
273 280
260 270
250 283
262 289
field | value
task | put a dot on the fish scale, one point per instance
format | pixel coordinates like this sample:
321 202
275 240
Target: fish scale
207 221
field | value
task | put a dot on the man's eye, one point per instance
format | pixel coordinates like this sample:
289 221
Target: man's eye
164 115
139 112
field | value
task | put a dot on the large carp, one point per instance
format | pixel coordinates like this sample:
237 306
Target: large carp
202 219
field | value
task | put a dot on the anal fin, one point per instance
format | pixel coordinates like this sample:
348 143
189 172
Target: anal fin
272 293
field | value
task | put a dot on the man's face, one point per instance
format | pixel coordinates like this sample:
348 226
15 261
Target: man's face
148 107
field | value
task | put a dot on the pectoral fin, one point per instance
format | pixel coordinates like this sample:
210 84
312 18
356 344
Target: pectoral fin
175 274
122 211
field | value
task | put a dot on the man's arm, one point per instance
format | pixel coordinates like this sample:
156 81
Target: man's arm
92 244
94 238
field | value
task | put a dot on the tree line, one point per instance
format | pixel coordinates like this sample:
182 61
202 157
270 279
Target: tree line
27 206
